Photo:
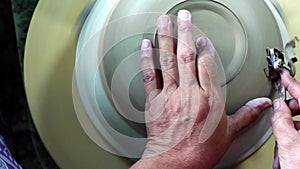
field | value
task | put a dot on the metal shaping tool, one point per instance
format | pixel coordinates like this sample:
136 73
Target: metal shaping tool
276 63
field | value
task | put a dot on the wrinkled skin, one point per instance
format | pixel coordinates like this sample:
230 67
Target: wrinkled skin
186 122
285 129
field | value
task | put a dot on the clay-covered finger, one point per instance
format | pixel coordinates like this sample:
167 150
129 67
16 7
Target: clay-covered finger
149 72
206 64
186 50
168 60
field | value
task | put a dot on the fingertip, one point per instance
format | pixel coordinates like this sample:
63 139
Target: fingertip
293 104
204 45
201 42
288 80
277 104
282 118
146 51
146 44
280 105
148 69
184 15
260 103
282 123
285 75
248 114
291 85
163 20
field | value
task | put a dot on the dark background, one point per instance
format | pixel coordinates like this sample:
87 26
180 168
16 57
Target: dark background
15 121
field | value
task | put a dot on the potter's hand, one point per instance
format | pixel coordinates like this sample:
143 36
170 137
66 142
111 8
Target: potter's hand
185 117
286 131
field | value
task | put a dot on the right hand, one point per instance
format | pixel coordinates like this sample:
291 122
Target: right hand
285 129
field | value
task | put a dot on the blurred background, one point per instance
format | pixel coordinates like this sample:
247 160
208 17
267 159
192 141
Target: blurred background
15 121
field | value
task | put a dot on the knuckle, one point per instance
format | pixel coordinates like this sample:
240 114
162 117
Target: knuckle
164 36
148 75
167 61
252 112
187 56
169 89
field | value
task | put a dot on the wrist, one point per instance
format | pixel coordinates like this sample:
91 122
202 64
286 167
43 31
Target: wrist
174 162
146 163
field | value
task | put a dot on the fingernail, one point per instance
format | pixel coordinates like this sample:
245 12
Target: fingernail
267 105
202 42
262 103
184 15
146 44
163 21
276 105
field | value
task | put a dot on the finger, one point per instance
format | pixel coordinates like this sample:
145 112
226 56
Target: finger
294 107
282 121
297 125
168 60
206 64
149 73
276 163
247 114
290 84
186 54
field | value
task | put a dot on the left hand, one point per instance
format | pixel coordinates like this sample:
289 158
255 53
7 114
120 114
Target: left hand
187 125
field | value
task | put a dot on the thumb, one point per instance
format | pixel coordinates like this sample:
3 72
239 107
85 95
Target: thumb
282 121
247 114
